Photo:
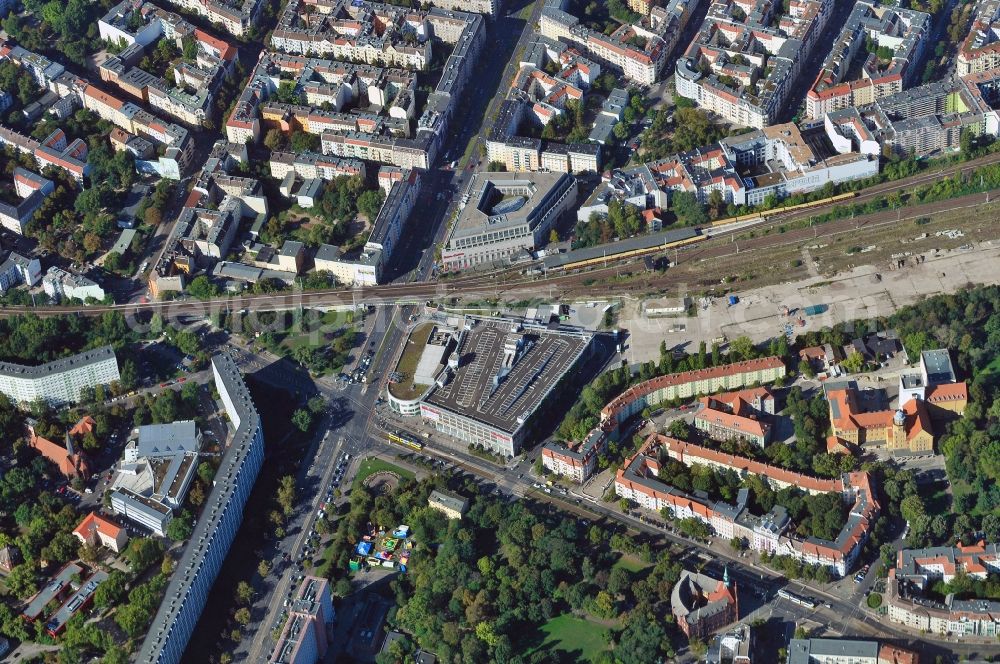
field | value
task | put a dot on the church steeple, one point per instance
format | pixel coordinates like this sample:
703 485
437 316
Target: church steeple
725 576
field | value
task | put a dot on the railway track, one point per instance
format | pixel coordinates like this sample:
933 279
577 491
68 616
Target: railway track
512 281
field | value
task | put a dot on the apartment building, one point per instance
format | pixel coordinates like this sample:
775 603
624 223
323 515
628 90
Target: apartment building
373 34
304 639
916 569
63 285
733 647
310 165
688 384
53 151
575 461
745 59
638 481
900 34
236 16
95 531
366 267
737 416
202 559
208 234
60 381
16 269
640 51
930 118
31 190
507 213
453 505
980 50
776 161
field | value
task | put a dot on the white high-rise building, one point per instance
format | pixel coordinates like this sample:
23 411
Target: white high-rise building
60 381
202 559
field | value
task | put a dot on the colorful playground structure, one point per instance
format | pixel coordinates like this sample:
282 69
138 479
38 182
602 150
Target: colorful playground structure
380 548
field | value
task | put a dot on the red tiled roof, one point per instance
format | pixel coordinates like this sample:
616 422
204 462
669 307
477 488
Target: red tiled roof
84 426
680 449
684 377
948 392
70 465
94 523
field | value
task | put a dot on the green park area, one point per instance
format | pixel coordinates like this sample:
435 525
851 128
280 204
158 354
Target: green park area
582 638
630 564
373 465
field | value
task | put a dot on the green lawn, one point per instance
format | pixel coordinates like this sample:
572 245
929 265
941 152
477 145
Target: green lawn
568 633
372 465
992 367
630 563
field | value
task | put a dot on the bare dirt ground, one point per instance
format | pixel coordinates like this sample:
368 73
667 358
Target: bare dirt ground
859 273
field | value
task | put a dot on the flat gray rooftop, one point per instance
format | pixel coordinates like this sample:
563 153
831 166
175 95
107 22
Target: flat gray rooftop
482 210
548 354
83 359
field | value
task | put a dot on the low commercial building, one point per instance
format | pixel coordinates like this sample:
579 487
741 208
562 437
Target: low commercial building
484 381
702 605
733 647
453 505
304 639
60 381
77 602
777 161
155 473
142 510
847 651
63 285
506 213
95 530
199 565
58 587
